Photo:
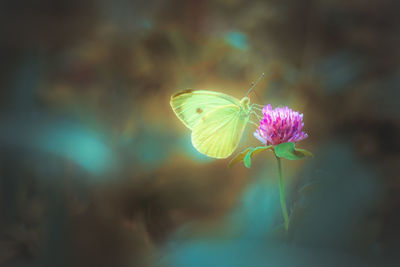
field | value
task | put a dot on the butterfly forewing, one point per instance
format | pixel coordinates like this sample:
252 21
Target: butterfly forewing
218 133
190 106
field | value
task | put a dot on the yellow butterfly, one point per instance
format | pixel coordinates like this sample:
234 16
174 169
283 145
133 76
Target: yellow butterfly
217 120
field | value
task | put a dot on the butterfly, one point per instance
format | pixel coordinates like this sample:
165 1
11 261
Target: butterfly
217 120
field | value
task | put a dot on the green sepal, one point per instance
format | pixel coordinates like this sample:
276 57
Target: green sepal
253 151
289 151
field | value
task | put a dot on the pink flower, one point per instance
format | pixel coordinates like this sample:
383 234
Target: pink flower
280 125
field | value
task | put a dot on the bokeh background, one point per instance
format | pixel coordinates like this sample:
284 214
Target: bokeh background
96 170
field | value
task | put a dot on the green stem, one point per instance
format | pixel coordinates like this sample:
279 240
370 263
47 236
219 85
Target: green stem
282 195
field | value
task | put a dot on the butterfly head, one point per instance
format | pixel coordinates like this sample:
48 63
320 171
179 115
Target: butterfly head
245 103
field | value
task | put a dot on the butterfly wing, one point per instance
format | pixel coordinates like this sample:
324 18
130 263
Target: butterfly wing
218 133
190 106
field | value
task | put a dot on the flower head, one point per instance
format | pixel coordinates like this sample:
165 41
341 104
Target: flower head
280 125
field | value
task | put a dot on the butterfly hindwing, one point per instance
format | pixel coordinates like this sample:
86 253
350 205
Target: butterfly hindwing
190 106
218 133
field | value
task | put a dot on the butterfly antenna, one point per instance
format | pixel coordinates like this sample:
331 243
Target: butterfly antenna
254 84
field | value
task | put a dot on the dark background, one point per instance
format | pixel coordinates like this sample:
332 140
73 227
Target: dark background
96 170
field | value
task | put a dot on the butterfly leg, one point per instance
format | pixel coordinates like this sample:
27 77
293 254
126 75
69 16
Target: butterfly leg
256 107
253 109
257 115
255 124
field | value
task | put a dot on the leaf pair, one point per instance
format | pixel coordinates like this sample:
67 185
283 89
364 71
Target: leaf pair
245 155
284 150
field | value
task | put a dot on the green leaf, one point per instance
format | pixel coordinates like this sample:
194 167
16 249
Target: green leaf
304 152
246 154
253 151
239 157
247 160
288 151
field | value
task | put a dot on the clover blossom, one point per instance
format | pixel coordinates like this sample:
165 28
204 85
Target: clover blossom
280 125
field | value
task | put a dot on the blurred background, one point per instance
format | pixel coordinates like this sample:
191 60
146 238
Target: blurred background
96 170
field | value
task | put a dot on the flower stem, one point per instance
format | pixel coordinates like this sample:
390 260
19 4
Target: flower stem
282 195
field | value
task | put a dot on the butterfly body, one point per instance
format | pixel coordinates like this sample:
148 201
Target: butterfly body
217 120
